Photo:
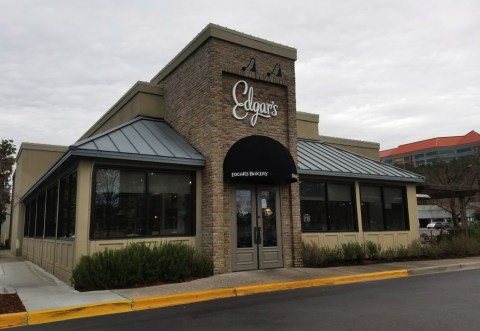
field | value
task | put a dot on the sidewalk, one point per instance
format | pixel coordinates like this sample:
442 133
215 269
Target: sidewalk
47 299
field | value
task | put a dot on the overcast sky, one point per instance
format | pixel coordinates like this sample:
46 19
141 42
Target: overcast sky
392 72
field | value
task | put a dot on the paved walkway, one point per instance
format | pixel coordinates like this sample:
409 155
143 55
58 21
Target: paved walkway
47 299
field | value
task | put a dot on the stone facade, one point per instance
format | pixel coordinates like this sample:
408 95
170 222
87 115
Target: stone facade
198 99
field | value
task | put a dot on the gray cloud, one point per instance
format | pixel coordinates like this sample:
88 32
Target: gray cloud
385 71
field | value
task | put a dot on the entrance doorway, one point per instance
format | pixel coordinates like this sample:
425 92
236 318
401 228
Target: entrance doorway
256 228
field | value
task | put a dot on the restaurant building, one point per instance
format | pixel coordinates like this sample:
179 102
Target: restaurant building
213 153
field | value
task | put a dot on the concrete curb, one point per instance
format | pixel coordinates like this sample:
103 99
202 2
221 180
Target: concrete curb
123 306
444 268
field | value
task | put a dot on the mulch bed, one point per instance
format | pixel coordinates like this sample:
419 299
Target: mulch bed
11 303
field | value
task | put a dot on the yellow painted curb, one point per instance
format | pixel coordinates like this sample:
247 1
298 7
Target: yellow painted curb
61 314
337 280
11 320
181 298
123 306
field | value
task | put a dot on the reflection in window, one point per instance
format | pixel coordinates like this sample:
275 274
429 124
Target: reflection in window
383 208
243 200
170 203
372 211
326 207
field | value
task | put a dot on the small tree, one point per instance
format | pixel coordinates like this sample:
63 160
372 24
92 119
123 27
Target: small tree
7 159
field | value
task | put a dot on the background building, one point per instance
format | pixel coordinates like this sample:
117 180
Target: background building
436 149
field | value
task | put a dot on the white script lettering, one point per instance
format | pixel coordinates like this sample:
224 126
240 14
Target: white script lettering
263 109
250 174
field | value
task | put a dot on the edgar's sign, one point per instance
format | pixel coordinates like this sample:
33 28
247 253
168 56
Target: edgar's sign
242 109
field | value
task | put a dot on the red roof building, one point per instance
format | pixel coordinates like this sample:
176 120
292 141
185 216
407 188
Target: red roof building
426 151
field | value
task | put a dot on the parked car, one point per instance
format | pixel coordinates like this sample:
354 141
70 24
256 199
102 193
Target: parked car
438 225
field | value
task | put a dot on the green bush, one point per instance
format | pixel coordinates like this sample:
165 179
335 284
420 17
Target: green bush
389 254
315 256
139 265
455 244
353 252
373 251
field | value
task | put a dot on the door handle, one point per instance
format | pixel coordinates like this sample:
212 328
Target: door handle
258 235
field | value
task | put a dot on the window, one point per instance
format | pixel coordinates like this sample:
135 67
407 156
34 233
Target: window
326 207
40 219
132 203
67 206
170 203
464 150
26 225
33 214
383 208
51 212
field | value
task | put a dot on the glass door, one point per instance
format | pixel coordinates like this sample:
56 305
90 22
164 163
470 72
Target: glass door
256 229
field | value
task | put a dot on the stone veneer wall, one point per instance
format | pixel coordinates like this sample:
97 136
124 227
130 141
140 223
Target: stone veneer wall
199 106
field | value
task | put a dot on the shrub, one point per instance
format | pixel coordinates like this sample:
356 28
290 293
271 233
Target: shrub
401 252
353 251
372 251
140 265
389 254
315 256
415 249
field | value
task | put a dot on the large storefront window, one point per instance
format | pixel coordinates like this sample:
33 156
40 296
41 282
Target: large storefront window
383 208
326 207
132 203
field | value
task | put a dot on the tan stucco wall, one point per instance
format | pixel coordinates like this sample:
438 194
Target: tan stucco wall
143 99
307 128
364 148
33 161
386 239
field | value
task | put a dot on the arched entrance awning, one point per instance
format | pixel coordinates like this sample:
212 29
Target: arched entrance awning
259 160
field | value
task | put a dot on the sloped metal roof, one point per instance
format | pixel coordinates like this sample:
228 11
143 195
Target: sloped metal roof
316 158
141 139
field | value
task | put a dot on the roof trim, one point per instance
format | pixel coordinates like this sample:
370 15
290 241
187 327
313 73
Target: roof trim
135 157
219 32
357 176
